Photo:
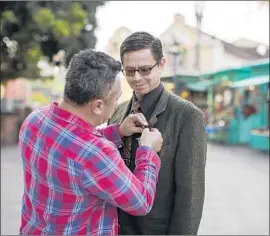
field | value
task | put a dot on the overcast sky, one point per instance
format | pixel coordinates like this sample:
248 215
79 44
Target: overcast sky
228 20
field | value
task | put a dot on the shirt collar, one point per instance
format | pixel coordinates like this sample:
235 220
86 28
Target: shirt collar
149 99
72 118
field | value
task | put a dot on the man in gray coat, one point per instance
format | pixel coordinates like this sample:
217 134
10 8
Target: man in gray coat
179 200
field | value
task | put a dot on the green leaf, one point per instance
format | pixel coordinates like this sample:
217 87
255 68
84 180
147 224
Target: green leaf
33 54
76 28
61 29
77 14
44 18
8 16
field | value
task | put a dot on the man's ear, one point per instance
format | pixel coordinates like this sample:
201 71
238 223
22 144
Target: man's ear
97 106
162 64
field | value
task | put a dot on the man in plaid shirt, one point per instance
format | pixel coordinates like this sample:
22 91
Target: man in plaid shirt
74 176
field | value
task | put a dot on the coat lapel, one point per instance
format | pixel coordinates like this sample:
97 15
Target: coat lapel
160 107
122 113
125 111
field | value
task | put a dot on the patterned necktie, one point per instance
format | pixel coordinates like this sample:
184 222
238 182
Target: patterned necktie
126 151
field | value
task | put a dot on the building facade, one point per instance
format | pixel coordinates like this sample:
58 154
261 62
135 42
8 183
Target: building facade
179 43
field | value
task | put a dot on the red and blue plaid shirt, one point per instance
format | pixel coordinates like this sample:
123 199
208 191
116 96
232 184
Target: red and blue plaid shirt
75 178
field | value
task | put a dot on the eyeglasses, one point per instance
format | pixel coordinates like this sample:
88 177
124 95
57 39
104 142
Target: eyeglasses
143 71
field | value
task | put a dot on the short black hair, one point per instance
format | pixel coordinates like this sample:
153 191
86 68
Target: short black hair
142 40
90 75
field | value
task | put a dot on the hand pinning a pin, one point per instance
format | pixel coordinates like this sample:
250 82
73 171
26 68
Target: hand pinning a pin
146 126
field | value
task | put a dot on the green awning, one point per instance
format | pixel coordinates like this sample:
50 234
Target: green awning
258 80
200 86
183 78
257 68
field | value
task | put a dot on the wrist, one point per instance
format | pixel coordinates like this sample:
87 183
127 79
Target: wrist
120 131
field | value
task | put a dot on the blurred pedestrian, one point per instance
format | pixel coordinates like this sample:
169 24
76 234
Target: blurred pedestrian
74 176
181 187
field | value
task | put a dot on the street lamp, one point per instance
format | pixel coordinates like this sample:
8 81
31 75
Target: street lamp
174 51
178 51
199 8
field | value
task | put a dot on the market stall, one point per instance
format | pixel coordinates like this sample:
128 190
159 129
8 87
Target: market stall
250 102
259 139
237 104
259 135
220 100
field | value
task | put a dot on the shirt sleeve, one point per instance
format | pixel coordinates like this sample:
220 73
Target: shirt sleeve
107 177
111 132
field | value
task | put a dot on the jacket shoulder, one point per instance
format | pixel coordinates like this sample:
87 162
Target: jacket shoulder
118 112
120 107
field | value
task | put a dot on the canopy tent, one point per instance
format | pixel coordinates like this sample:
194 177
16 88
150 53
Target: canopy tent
258 80
253 69
199 86
247 74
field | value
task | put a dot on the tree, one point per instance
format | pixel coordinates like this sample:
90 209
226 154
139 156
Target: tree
31 30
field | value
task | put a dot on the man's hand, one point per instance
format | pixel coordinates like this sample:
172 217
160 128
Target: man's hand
152 139
134 123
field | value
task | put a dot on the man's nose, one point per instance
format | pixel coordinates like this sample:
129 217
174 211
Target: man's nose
137 76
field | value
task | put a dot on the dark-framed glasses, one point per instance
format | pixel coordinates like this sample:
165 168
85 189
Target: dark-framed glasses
143 71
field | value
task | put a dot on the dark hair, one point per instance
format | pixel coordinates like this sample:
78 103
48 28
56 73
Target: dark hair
90 75
142 40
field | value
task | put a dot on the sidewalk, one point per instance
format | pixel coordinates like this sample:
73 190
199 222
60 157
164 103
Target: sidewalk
237 192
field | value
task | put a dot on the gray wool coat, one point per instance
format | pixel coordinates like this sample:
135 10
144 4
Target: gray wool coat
179 199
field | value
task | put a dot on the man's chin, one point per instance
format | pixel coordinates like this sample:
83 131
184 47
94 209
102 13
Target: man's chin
141 92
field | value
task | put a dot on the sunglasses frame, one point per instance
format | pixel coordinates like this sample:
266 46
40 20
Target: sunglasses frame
139 71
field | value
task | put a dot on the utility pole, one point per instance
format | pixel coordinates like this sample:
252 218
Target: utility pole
199 7
177 53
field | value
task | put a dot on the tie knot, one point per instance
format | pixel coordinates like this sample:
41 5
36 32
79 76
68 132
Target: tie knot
135 107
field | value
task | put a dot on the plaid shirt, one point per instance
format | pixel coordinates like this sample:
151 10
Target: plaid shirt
75 178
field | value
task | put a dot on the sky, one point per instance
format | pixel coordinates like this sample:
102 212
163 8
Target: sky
228 20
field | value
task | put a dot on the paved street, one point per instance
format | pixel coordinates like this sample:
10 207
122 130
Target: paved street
237 192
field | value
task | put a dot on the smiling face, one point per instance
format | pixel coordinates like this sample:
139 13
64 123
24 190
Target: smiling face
148 77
